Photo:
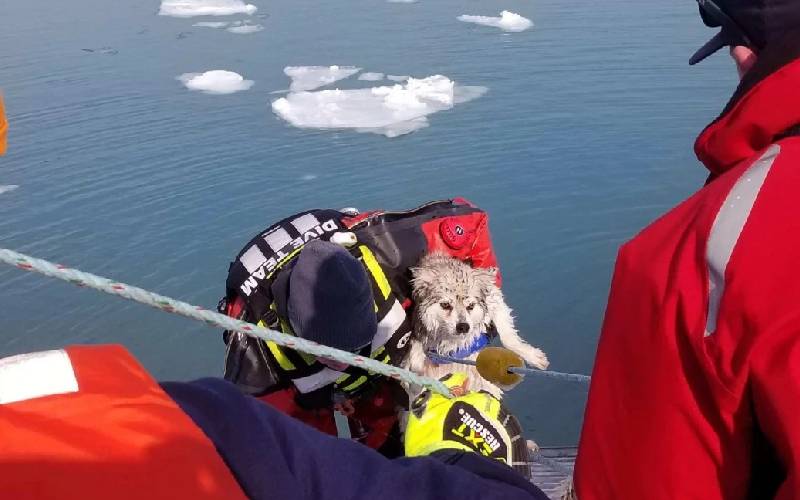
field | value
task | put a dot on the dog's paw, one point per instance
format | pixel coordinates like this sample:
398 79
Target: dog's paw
535 357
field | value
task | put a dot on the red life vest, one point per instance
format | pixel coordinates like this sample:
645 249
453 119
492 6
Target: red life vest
90 422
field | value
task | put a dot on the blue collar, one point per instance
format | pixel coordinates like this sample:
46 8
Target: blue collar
480 342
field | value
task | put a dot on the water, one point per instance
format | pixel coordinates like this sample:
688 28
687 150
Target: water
584 136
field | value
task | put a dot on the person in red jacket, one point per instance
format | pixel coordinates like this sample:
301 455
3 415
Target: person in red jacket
696 386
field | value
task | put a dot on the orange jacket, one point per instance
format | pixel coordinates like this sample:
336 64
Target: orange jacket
89 422
3 128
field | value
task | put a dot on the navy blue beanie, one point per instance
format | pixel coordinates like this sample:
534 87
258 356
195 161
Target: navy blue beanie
330 298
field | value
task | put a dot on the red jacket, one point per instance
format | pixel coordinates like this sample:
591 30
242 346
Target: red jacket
696 386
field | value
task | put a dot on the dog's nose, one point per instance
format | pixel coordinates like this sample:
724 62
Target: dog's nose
462 327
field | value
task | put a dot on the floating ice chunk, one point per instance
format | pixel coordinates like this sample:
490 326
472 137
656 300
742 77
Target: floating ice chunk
215 82
371 77
388 110
397 78
466 93
309 177
238 27
211 24
7 188
191 8
241 28
314 77
508 21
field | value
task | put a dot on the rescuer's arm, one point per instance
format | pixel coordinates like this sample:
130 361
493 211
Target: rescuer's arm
275 456
775 389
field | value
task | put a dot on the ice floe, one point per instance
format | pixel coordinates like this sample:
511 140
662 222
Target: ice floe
388 110
397 78
370 77
238 27
7 188
244 28
314 77
211 24
215 82
508 21
191 8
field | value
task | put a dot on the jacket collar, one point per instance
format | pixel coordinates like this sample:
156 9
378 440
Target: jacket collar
764 107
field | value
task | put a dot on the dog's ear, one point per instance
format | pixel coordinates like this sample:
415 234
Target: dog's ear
421 281
486 277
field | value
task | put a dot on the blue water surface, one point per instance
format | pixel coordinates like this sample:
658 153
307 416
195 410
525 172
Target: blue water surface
584 136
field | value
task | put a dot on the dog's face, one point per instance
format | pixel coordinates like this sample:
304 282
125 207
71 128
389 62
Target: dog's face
450 299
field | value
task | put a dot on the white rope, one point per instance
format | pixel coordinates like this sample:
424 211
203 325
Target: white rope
173 306
570 377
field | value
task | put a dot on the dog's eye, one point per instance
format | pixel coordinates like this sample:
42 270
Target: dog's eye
445 305
470 307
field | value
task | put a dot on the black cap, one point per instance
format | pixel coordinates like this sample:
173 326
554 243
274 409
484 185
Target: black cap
732 33
752 23
330 298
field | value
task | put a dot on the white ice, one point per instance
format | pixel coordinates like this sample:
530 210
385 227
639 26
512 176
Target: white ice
388 110
508 21
211 24
191 8
371 77
397 78
244 28
314 77
238 27
7 188
215 82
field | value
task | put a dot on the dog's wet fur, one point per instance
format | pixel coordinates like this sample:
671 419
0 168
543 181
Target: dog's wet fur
454 304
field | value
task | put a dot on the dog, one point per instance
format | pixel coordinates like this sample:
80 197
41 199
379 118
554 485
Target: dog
454 305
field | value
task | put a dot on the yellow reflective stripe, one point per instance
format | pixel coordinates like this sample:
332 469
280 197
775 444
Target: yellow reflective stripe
375 270
355 384
283 261
278 353
280 357
427 449
310 359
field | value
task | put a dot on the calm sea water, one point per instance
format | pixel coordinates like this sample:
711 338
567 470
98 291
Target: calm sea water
584 136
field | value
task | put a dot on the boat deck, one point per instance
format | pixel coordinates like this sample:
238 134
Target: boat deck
551 468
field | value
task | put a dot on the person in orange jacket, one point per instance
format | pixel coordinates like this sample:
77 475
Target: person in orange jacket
3 128
89 422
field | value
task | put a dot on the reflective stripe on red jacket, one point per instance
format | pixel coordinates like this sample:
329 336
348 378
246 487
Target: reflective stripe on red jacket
89 422
696 386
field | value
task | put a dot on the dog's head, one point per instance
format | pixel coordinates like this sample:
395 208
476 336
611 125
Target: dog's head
450 298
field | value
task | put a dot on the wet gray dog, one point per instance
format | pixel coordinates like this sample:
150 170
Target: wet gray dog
454 305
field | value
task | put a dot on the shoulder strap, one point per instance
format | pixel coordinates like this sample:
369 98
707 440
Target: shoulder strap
251 273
